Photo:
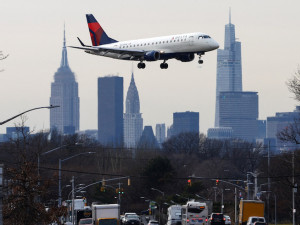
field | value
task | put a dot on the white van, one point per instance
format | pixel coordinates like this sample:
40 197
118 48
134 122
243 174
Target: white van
253 219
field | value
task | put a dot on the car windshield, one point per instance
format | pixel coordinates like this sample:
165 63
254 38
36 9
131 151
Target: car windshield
132 216
87 221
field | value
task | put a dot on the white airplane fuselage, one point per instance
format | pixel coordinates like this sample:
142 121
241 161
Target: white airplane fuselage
166 45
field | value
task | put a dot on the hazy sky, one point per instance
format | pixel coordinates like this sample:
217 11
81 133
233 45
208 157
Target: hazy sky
32 35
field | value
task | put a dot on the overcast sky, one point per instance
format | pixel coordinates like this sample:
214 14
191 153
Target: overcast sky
32 35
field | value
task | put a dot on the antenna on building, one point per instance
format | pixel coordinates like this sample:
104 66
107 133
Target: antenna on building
229 15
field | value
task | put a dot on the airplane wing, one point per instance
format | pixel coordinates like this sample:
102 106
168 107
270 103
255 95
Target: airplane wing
102 51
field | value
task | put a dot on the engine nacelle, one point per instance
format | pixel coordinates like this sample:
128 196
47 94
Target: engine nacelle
152 56
186 57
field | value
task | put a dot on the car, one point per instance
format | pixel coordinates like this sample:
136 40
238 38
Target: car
217 219
253 219
153 222
131 219
259 223
86 221
227 220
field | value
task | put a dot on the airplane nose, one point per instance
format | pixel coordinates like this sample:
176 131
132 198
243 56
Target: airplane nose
214 44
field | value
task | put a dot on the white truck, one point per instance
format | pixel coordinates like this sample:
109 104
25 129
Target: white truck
174 215
107 214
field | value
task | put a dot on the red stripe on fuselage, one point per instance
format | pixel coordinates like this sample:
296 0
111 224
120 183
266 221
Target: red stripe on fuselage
97 29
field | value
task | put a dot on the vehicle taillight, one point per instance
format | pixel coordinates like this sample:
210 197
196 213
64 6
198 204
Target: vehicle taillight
187 220
206 220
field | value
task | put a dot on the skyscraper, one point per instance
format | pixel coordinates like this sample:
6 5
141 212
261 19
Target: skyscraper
64 92
110 111
160 132
239 110
229 66
133 121
185 122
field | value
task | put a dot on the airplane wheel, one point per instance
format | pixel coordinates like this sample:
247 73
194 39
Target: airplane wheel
139 65
200 61
164 65
143 65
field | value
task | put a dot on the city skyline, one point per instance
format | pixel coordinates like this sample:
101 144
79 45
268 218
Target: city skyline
268 62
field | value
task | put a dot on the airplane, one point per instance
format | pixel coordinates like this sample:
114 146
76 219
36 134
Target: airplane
182 47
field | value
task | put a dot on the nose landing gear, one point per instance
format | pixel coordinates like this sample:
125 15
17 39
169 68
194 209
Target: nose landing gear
200 61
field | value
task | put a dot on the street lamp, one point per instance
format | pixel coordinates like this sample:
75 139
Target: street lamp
45 107
59 172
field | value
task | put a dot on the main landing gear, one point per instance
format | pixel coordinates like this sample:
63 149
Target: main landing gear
141 65
164 65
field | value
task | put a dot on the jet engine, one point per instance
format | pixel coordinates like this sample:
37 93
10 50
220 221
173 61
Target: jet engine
186 57
152 56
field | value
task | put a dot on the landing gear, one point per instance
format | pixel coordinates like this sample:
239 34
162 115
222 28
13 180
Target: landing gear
200 61
141 65
164 65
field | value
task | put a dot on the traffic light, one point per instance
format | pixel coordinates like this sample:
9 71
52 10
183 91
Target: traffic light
189 182
128 181
117 190
122 191
102 189
217 182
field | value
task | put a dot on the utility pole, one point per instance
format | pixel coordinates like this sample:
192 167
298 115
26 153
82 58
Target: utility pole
269 184
73 197
294 189
59 183
222 201
1 193
235 206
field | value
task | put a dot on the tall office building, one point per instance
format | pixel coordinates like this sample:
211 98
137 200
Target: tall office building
160 132
239 110
185 122
229 67
64 93
110 111
277 123
133 121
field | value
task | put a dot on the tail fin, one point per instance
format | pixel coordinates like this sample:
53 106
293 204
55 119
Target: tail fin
98 35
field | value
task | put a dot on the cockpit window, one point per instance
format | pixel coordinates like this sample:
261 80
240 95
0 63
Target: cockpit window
203 36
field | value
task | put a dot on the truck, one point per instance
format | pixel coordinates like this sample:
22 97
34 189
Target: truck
106 214
250 208
174 215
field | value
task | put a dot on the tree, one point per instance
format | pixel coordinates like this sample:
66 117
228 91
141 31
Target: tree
158 171
24 203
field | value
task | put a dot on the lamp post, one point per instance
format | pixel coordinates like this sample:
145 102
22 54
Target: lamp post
44 107
163 194
59 172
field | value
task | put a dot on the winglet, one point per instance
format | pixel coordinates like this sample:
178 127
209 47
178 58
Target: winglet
80 42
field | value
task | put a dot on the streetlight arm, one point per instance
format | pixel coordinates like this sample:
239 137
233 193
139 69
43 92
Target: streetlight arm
83 153
45 107
154 189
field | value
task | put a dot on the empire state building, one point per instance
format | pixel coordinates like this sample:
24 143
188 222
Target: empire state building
64 93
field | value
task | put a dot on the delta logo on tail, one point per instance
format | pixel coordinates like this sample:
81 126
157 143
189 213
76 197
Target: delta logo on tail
182 47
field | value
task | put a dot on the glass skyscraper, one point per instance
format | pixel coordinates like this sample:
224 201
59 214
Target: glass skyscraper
133 121
64 93
110 111
239 110
229 67
185 122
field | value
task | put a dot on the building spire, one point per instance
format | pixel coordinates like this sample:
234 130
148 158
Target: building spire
229 15
64 58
